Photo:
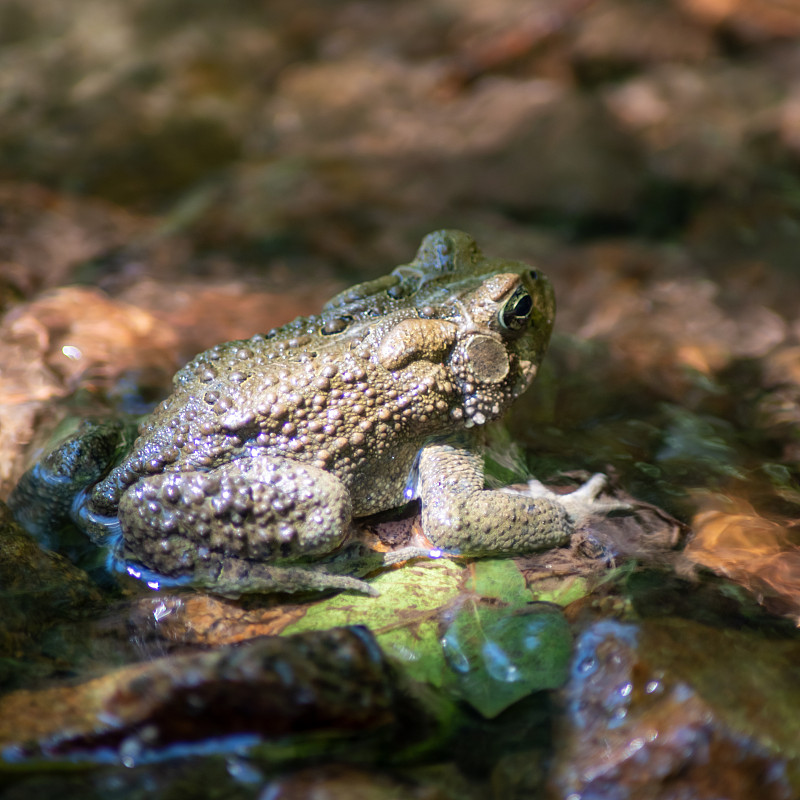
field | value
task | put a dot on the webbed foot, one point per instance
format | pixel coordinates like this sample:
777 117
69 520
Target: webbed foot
580 504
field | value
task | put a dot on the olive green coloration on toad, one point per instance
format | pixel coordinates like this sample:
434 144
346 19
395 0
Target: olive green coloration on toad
248 476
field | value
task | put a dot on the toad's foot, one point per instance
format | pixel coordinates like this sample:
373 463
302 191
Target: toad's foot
411 552
264 579
580 504
237 577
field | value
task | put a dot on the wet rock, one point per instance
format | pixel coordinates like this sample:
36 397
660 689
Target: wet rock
587 153
45 235
329 684
348 783
750 249
44 601
614 35
757 551
229 310
202 779
164 622
37 588
44 585
752 20
676 709
73 338
698 126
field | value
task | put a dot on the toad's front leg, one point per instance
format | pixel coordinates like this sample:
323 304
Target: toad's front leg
460 516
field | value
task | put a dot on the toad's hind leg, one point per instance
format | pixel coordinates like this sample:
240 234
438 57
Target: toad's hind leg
225 529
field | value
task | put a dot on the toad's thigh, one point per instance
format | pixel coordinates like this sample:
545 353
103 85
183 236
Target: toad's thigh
257 509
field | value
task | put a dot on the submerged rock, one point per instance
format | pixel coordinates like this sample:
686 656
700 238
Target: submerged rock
673 708
332 684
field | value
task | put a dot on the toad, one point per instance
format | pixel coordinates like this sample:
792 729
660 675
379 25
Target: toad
248 476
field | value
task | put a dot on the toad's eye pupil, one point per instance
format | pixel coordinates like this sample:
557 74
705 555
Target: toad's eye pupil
514 314
533 275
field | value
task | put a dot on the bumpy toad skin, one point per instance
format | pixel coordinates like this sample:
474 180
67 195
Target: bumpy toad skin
253 468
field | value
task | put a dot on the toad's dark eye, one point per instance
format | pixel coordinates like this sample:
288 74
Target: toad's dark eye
513 316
